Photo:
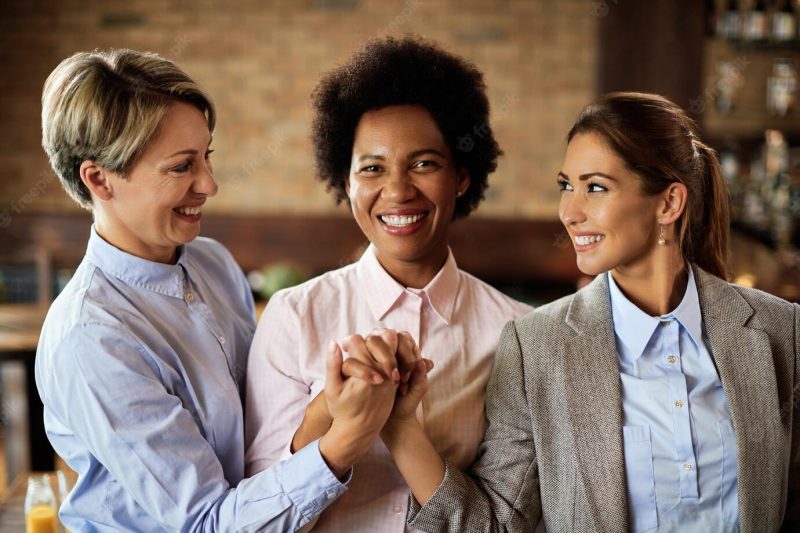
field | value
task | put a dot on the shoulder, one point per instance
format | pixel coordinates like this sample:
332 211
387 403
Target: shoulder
88 298
93 345
770 311
723 299
548 316
327 287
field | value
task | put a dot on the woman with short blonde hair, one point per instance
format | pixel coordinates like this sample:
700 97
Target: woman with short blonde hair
142 357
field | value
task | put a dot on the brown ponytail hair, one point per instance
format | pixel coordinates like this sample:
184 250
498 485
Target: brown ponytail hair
658 141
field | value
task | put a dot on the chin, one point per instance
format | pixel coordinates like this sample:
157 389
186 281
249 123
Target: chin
591 268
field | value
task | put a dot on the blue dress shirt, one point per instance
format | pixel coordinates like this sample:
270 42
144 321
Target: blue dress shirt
141 368
679 444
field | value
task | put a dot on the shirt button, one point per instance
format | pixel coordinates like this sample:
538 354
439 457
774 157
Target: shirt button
330 494
678 404
189 297
671 359
222 340
687 466
398 509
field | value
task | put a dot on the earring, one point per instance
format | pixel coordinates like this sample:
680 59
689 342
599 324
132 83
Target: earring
661 240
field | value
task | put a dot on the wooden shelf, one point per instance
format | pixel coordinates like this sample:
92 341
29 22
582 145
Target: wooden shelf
748 123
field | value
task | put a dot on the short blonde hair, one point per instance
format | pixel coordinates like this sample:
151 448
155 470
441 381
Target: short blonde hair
105 106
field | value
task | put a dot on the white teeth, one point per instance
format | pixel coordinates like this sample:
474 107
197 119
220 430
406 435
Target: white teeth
189 211
583 240
401 221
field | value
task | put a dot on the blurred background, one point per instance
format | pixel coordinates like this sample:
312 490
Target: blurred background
732 64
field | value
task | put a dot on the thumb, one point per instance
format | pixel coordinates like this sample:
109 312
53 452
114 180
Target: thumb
333 368
418 385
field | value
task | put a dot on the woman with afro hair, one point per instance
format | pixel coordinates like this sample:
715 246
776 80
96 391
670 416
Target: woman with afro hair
401 132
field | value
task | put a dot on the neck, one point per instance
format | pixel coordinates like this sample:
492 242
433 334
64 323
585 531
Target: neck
414 275
656 288
116 234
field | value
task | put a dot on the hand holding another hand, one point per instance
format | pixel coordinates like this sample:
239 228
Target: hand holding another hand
383 378
358 407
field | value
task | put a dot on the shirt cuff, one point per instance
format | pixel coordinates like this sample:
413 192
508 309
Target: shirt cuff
309 482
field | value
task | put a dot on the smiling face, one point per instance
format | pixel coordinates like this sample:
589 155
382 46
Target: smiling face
157 206
402 186
612 223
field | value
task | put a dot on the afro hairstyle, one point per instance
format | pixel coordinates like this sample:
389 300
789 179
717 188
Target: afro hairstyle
409 71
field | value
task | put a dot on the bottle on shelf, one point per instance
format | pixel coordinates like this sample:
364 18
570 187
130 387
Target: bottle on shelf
729 23
782 88
755 27
730 80
777 193
732 172
784 23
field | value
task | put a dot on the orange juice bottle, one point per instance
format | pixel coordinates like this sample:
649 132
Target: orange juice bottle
40 506
41 519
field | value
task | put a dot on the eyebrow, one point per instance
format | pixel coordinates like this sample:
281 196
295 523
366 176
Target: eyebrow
418 153
370 156
412 155
190 151
588 175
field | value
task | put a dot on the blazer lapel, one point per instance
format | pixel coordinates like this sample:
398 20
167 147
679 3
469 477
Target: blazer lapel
594 405
743 357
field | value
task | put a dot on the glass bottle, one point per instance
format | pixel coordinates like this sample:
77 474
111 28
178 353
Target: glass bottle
63 491
784 23
729 24
781 88
755 22
40 506
728 85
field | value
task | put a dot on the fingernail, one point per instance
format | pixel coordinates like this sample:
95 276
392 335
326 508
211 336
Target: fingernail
395 374
331 345
377 379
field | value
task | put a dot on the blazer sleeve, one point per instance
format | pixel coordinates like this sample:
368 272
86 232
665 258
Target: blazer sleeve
501 493
791 520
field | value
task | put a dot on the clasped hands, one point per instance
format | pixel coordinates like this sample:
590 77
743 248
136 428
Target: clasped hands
376 389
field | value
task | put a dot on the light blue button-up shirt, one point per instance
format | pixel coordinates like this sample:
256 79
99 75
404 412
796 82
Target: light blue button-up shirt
140 367
679 444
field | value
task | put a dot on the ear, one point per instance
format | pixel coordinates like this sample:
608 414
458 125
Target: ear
462 182
97 179
347 185
673 203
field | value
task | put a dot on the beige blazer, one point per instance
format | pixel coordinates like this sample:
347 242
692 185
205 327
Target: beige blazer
553 447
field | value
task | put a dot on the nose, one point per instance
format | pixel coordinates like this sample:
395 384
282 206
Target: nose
205 183
399 187
570 210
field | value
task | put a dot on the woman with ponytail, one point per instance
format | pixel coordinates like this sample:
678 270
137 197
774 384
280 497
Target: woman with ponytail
657 398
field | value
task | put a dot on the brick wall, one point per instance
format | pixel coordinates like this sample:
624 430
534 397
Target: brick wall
259 60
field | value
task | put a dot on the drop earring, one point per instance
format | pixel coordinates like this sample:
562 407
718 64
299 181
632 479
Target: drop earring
661 240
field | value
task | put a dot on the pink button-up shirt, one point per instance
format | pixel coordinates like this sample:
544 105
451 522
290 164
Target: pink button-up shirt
456 320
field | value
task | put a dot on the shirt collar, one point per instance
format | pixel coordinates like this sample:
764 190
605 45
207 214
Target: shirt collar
383 291
156 277
634 327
